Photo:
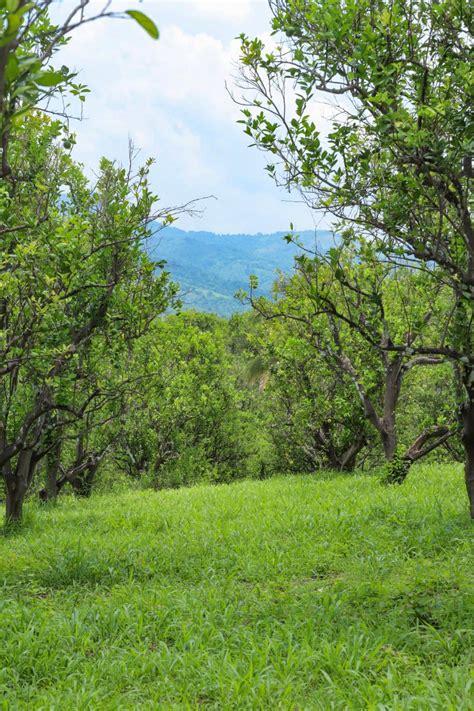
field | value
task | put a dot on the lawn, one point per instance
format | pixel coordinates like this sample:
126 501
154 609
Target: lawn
292 593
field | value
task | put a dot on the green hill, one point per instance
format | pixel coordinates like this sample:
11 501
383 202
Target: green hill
211 267
293 593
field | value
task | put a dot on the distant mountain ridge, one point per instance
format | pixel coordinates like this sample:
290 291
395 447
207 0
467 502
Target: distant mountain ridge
211 267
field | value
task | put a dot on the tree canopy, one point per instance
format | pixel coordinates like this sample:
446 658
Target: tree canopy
395 165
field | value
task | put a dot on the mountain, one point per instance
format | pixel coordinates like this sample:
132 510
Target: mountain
211 267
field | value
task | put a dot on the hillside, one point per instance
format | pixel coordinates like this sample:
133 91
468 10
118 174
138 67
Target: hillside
211 267
292 593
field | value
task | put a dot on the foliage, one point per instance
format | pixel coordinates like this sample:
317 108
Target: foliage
72 265
77 286
185 424
314 415
396 163
341 313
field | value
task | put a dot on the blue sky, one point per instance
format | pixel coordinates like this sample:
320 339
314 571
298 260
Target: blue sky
169 97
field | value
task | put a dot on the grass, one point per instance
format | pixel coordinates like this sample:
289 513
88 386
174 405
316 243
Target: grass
293 593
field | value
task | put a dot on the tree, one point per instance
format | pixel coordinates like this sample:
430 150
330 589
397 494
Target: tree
184 422
66 254
314 416
350 310
396 162
77 290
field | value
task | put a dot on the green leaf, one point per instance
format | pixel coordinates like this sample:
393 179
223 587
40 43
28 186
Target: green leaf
11 70
385 17
253 281
12 5
143 20
14 22
50 79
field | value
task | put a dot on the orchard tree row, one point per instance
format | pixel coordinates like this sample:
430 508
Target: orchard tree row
77 288
363 356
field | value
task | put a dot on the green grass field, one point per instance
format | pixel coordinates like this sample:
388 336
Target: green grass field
293 593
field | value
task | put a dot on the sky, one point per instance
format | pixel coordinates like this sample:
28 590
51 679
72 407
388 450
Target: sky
169 97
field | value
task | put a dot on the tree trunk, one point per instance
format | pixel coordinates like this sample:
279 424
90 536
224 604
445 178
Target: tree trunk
469 477
395 469
468 442
52 470
86 467
14 503
17 483
393 384
389 443
82 483
339 459
349 457
386 425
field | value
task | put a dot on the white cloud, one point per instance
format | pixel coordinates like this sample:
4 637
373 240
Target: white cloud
222 9
169 97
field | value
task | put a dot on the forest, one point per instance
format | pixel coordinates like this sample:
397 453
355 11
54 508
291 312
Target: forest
211 268
336 406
